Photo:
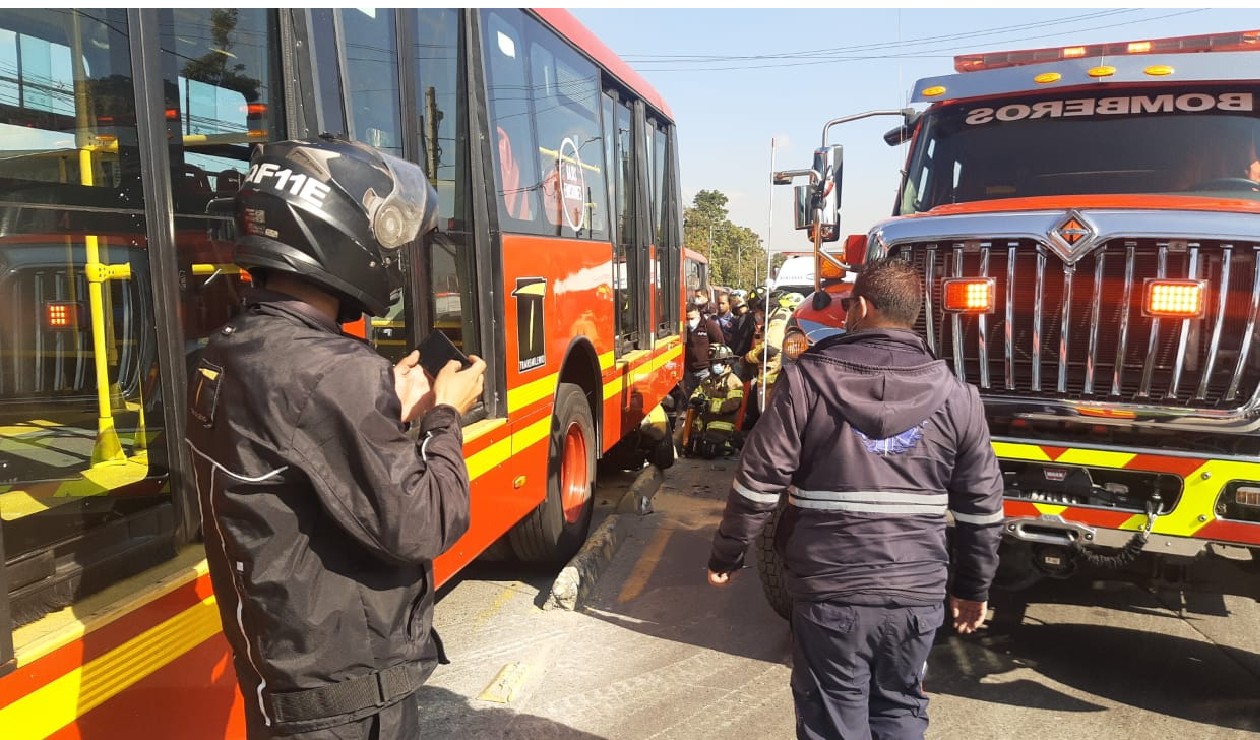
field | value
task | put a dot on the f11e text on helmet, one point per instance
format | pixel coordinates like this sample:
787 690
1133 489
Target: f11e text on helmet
312 208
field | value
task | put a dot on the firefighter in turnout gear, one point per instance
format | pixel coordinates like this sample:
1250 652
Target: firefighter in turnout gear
766 352
717 402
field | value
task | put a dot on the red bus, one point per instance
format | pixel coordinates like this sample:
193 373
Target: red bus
123 136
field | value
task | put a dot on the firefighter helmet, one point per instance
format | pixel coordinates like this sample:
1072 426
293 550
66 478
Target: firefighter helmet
791 300
720 353
336 213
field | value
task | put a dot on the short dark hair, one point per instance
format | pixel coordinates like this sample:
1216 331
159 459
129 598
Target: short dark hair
692 307
894 287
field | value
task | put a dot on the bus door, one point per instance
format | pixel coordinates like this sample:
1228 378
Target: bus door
629 270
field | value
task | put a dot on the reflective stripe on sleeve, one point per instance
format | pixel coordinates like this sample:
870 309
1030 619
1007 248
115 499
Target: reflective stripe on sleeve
979 519
880 498
868 507
757 497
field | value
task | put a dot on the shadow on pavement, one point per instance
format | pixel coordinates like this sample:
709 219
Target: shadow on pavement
1145 668
445 714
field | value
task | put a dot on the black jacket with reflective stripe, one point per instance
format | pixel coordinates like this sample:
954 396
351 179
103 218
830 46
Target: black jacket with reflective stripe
321 514
873 440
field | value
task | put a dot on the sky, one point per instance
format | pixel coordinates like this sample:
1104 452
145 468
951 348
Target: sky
731 89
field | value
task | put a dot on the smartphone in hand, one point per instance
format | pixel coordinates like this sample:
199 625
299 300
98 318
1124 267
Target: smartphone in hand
436 350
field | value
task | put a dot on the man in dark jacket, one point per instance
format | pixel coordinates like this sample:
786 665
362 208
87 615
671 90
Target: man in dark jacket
321 514
702 333
874 441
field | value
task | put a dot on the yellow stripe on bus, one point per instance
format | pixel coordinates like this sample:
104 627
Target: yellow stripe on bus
535 390
65 699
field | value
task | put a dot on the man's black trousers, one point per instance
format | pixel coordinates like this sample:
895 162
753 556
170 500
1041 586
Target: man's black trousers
857 671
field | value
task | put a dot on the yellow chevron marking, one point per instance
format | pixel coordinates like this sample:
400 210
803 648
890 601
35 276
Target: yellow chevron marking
1019 451
1096 458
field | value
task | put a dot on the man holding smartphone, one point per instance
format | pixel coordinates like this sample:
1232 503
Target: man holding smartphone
321 514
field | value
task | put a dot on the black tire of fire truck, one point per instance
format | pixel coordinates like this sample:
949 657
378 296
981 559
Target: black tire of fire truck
546 535
770 567
1016 571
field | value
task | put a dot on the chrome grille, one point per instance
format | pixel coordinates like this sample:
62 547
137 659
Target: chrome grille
1076 331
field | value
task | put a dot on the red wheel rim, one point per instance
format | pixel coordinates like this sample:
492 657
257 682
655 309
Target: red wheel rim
574 480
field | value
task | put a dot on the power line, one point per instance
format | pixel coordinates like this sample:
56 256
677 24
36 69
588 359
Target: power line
927 54
660 58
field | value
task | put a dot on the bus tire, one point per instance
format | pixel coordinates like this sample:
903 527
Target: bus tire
770 568
555 530
663 453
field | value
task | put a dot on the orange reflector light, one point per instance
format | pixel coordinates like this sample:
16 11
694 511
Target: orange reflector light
172 114
969 295
1247 496
1103 71
1158 70
61 315
794 343
1105 413
828 270
1046 78
931 92
1173 299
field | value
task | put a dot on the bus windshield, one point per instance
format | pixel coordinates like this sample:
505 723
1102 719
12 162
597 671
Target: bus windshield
1199 142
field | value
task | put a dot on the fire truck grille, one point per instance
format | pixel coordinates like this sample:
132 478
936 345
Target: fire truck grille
1077 332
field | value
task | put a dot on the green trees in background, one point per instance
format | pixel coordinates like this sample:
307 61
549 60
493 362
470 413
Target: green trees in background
736 256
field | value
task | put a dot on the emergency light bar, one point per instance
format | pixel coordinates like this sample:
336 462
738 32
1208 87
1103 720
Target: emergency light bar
1173 299
60 315
1229 41
968 295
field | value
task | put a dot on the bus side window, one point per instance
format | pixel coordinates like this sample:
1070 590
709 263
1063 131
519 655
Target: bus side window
452 303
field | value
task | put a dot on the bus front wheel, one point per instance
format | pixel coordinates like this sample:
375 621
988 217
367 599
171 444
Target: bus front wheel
555 530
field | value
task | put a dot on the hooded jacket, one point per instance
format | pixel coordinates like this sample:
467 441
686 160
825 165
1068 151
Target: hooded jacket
321 516
873 441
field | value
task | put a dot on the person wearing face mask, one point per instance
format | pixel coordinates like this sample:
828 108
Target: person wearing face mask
870 444
717 401
702 332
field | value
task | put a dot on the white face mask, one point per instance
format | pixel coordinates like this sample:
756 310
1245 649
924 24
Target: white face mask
693 323
717 369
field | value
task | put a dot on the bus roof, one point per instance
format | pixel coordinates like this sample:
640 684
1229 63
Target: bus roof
580 36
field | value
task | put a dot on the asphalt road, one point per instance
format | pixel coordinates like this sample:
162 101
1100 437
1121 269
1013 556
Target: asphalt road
657 653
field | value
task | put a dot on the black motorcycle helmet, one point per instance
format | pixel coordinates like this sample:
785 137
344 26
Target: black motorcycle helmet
336 213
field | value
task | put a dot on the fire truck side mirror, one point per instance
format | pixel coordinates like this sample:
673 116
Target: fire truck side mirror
821 198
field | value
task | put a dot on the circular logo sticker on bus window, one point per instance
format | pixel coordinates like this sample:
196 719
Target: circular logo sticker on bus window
572 185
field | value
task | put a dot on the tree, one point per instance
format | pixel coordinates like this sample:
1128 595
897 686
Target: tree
736 256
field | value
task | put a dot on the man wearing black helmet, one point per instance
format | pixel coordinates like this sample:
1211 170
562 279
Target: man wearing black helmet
321 515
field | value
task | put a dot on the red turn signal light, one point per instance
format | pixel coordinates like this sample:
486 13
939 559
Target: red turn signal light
59 315
1173 299
969 295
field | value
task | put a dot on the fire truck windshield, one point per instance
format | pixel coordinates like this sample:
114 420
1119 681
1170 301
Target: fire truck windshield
1199 141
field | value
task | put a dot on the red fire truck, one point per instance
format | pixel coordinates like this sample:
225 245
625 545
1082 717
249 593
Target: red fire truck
1087 223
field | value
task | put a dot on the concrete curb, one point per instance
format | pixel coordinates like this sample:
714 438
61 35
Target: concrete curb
579 575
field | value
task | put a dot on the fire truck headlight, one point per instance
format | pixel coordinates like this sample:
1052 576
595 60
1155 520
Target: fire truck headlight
969 295
59 315
1173 299
1240 501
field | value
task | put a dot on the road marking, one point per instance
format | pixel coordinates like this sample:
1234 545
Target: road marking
643 569
499 602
